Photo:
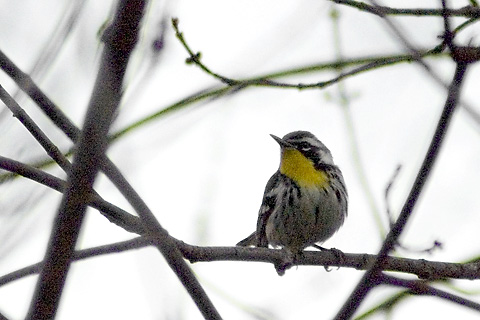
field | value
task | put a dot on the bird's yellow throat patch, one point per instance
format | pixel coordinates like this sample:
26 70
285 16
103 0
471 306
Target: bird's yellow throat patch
301 170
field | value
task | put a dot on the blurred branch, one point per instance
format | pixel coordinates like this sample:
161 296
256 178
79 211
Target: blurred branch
56 39
120 39
391 219
344 100
113 213
467 11
135 243
197 97
385 305
421 287
414 287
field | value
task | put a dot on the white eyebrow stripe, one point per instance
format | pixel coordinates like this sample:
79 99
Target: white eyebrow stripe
314 142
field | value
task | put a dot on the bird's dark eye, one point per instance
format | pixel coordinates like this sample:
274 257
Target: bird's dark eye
304 146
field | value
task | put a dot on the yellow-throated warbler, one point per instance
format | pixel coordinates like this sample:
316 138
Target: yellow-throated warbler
305 201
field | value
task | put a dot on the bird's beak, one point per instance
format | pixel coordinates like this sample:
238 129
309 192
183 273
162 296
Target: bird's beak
281 142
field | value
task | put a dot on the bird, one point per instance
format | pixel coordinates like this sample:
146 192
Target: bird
305 201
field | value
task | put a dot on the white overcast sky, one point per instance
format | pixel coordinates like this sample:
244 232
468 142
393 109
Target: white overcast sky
203 170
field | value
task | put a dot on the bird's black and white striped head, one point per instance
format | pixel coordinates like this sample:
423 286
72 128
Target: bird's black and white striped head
307 144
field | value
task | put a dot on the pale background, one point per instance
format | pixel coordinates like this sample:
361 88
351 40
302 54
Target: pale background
202 170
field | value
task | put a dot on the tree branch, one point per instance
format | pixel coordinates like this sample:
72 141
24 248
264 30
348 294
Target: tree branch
166 245
117 247
35 131
266 81
431 270
113 213
421 287
119 43
467 11
365 284
424 269
25 82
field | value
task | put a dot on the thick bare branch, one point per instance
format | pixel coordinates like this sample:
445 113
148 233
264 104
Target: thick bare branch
119 43
425 269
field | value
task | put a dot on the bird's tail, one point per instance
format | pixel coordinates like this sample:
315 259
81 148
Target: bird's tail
251 240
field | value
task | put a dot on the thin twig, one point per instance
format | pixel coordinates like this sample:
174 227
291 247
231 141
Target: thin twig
60 119
391 219
135 243
35 130
467 11
195 57
344 101
267 82
421 287
113 213
384 306
119 43
367 64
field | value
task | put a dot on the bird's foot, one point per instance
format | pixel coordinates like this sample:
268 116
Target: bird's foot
339 255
